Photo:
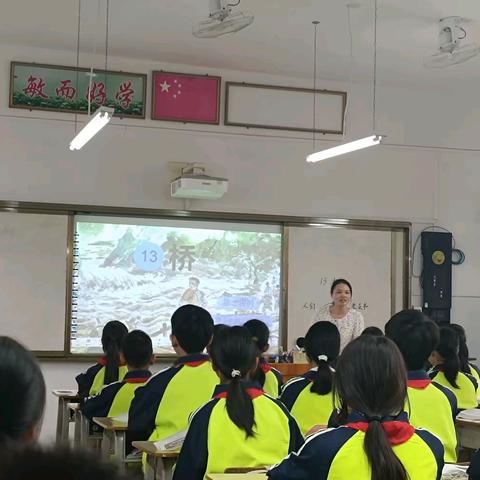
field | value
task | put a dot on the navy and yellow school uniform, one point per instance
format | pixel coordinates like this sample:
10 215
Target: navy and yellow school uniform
433 407
214 443
475 373
115 399
93 380
466 393
339 454
308 408
163 405
273 379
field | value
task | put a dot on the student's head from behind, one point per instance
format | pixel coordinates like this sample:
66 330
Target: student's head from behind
138 350
216 328
322 345
377 332
22 393
37 463
234 358
341 292
371 379
445 356
113 335
260 334
415 335
192 329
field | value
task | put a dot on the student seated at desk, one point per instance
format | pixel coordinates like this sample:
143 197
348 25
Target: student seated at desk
376 442
309 397
162 406
463 354
430 405
115 399
240 426
22 394
446 370
109 368
268 377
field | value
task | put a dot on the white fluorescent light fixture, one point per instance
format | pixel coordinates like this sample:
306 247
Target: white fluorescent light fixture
345 148
102 116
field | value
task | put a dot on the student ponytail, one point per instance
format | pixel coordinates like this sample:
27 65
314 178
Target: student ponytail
233 355
463 353
448 348
113 335
322 344
261 335
371 379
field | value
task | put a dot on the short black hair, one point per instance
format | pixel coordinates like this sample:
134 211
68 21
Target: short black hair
25 463
372 331
22 390
415 335
193 327
137 349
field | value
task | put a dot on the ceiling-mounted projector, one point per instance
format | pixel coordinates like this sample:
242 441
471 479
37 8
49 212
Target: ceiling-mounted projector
451 51
222 20
193 183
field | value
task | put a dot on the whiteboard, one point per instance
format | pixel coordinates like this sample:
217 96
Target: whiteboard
316 256
33 273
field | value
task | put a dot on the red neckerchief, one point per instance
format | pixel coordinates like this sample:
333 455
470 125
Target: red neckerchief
253 392
136 379
103 361
265 367
397 432
419 384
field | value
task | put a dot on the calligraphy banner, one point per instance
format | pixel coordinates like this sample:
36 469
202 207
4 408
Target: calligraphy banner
67 89
186 97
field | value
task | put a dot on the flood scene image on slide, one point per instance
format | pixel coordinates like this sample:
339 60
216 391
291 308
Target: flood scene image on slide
140 274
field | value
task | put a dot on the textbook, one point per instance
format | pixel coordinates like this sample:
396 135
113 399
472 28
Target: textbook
472 415
173 442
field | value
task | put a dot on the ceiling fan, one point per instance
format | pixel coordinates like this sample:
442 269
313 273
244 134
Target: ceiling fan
222 19
451 51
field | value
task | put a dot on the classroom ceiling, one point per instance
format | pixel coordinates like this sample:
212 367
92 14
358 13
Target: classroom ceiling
280 41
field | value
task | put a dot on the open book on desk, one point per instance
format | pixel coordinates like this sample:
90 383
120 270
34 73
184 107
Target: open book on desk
173 442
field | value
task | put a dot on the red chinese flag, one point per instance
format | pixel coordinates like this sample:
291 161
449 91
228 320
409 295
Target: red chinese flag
187 98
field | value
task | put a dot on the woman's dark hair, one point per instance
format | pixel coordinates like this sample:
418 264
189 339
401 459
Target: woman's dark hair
340 281
322 340
448 347
463 353
234 354
260 334
22 391
35 462
113 335
371 379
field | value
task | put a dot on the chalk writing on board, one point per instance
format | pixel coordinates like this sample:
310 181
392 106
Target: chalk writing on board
318 306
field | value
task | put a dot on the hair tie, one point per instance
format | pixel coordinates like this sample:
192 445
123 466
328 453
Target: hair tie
235 373
374 418
322 357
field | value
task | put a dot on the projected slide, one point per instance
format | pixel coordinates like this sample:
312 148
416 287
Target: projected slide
139 273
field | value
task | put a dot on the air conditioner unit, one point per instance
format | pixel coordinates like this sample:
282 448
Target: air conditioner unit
200 187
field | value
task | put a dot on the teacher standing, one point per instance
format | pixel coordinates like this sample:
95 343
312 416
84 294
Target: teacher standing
349 322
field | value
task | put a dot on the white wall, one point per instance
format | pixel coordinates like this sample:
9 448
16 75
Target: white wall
128 165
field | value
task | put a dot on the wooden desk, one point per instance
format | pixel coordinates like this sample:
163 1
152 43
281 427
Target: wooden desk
236 476
290 370
63 415
468 433
113 441
160 463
